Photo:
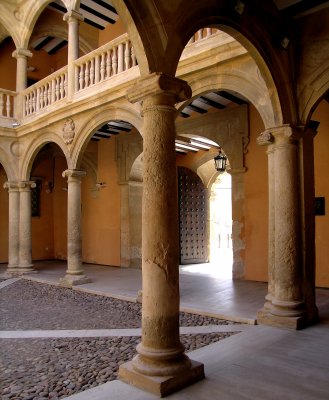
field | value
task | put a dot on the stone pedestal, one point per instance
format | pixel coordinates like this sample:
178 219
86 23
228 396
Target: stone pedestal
13 227
161 365
74 274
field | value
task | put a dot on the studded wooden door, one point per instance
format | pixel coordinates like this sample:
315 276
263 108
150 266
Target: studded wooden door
192 217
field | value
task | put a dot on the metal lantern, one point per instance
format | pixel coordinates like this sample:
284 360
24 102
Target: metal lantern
220 161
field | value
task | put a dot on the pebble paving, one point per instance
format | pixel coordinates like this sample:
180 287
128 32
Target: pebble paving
40 369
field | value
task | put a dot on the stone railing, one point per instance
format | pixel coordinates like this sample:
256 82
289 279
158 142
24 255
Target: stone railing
106 61
7 103
46 92
203 33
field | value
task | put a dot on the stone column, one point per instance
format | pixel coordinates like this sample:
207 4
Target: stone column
72 18
238 239
266 139
287 307
25 233
13 227
21 56
74 274
161 365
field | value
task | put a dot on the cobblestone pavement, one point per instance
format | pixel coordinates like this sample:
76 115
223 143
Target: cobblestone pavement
39 369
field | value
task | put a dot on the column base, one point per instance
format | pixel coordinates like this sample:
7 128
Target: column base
25 269
161 385
265 317
74 280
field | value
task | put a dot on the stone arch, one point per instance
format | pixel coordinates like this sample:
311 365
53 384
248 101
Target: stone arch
8 27
60 32
34 148
250 85
7 166
33 12
313 91
95 120
136 172
163 42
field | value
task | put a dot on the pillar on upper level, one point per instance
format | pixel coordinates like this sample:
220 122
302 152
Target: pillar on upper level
160 366
74 274
72 18
21 56
286 303
13 227
25 232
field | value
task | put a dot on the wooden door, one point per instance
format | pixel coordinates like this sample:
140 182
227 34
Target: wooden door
192 217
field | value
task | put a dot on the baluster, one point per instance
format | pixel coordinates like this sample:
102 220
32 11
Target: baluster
45 95
61 87
76 79
38 99
102 71
42 98
53 91
92 72
133 57
8 105
34 101
57 88
65 84
114 61
199 34
81 75
208 32
108 64
86 74
26 105
120 58
1 105
30 104
49 93
191 40
127 55
97 68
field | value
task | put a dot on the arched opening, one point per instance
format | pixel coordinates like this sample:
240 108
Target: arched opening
220 241
49 204
107 158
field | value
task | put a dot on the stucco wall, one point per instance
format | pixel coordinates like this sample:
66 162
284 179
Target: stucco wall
321 164
3 218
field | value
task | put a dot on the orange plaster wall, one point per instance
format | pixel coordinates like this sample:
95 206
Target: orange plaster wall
101 211
60 210
3 218
7 66
256 203
321 168
42 226
111 32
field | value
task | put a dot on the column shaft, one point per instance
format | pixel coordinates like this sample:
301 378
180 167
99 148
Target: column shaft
13 226
72 18
160 353
21 56
74 273
25 233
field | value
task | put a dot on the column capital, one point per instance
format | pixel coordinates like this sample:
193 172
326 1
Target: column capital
26 185
74 173
73 15
163 89
11 186
19 53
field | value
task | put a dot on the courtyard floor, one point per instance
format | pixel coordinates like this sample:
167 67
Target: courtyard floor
58 343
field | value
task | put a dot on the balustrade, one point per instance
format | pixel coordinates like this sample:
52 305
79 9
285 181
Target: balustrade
46 92
105 62
101 64
6 103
